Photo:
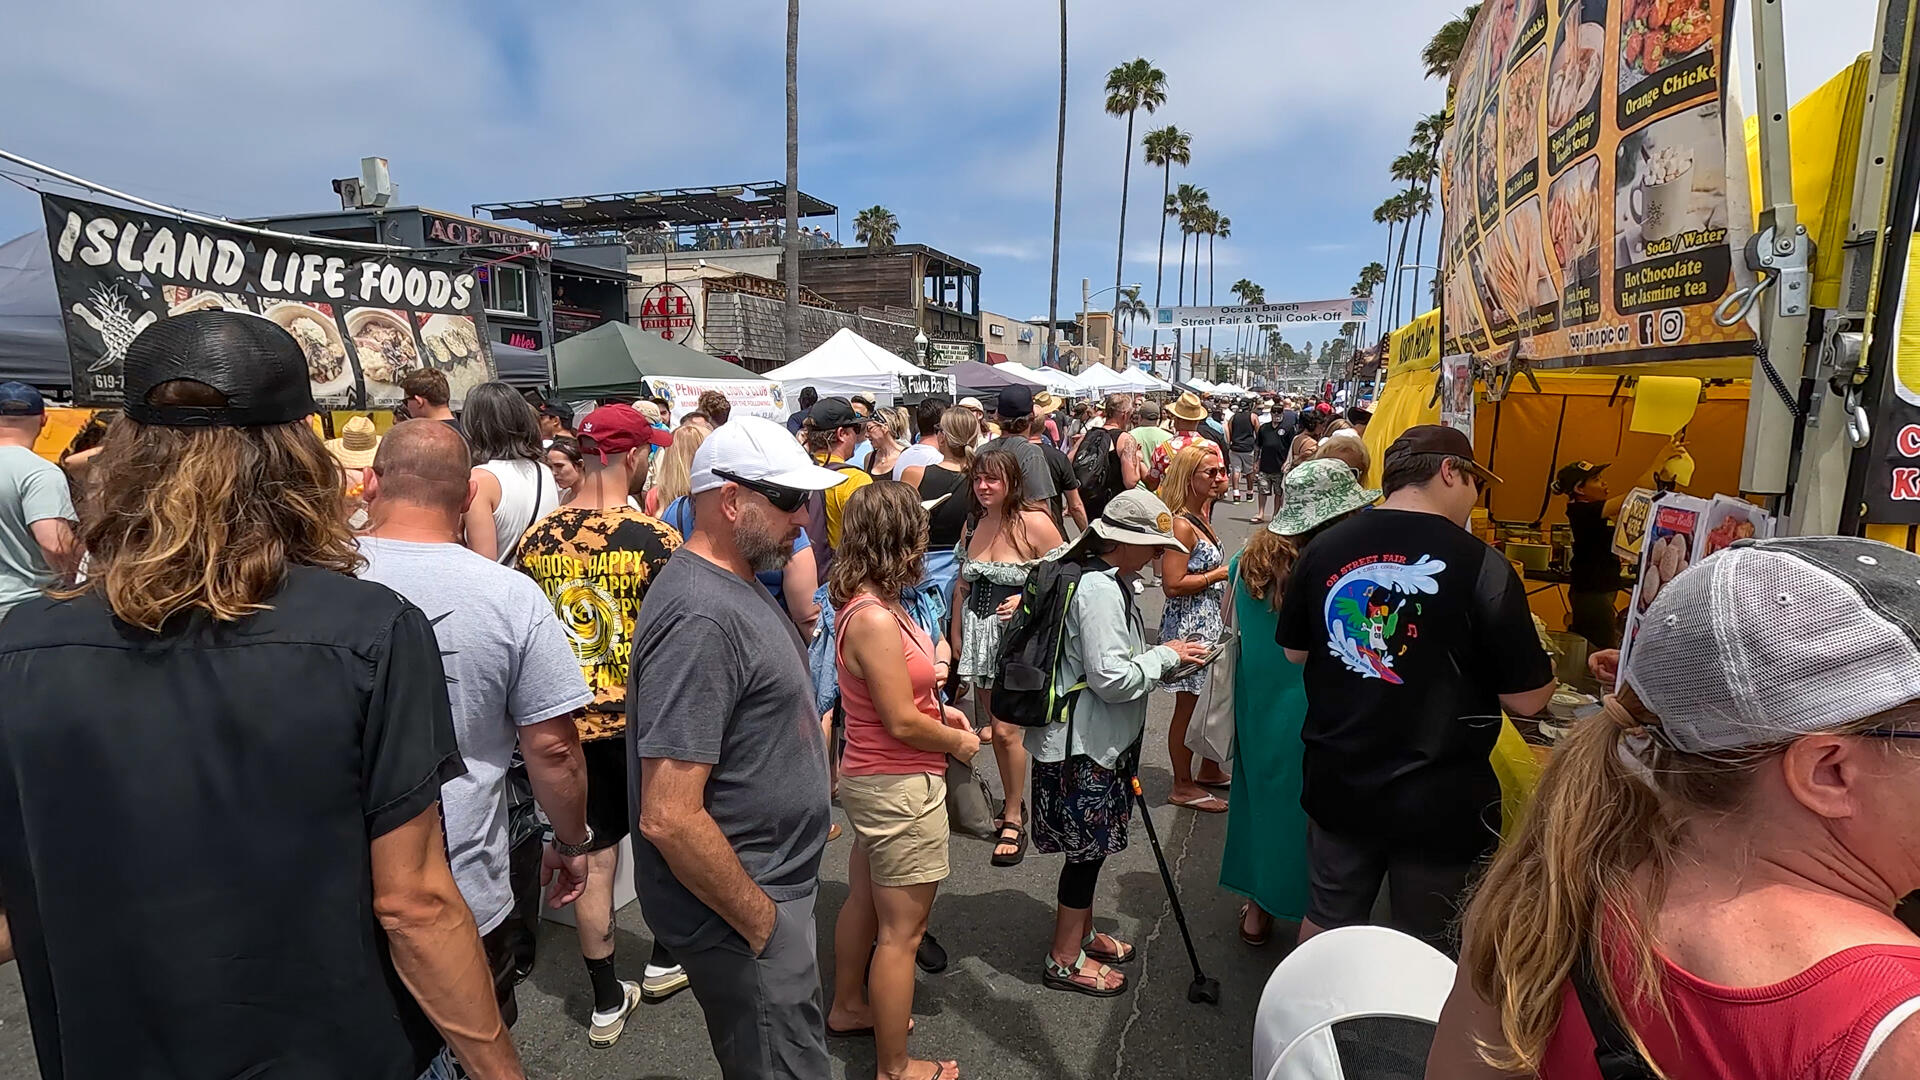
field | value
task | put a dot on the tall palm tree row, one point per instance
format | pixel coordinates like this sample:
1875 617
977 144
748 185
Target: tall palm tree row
1246 292
1188 205
1131 87
1165 147
1218 225
1415 167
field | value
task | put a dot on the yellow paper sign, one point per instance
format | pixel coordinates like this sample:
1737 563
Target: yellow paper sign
1663 404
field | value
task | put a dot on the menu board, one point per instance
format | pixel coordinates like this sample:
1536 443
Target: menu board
362 319
1584 185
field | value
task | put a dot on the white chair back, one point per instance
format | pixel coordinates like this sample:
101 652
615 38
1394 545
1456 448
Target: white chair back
1345 975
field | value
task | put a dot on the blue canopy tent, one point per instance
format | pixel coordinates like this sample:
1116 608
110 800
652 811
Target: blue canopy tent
33 346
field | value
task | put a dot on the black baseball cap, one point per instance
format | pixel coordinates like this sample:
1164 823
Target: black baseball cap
19 399
253 362
1439 439
1575 473
830 413
1015 402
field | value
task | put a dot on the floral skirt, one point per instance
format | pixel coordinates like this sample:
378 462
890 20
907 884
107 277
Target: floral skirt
1080 808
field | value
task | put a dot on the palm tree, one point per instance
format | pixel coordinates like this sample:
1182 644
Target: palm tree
1405 209
1416 166
1188 202
790 256
1166 147
1218 225
1372 276
1131 307
1243 291
1420 202
1442 52
1059 180
875 227
1130 88
1384 214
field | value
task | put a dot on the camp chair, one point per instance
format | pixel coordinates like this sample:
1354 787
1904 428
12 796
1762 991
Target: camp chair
1357 1002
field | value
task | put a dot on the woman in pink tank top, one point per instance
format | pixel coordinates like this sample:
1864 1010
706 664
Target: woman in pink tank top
892 773
1722 846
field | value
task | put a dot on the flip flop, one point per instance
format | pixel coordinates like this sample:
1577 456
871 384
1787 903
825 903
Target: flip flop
1255 940
1205 804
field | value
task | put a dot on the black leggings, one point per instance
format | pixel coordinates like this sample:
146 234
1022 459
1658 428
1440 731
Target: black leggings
1077 880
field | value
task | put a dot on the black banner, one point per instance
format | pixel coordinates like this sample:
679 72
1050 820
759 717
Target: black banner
363 318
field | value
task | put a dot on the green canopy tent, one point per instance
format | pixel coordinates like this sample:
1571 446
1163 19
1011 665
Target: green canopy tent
613 357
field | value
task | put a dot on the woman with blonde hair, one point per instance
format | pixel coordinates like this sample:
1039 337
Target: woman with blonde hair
1706 880
675 480
892 772
1007 535
1193 578
888 432
1265 859
1346 447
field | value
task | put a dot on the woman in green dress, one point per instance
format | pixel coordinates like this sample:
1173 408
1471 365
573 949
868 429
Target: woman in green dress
1266 851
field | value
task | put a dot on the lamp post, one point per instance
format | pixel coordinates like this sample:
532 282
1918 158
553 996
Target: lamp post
923 348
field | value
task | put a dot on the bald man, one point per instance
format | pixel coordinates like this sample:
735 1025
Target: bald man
511 677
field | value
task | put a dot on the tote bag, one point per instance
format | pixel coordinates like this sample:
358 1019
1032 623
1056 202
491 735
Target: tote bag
969 805
1210 734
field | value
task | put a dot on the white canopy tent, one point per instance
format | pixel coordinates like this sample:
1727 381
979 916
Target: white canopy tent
1202 386
1054 379
1101 379
1229 389
1146 381
847 364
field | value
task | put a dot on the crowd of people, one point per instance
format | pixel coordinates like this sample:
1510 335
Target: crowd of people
346 708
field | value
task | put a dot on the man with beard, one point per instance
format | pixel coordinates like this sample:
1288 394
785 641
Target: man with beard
731 763
597 559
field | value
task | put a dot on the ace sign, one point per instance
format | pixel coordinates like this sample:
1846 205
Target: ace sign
667 310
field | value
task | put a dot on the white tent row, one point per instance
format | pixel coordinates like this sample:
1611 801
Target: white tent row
847 364
1053 378
1146 381
1202 386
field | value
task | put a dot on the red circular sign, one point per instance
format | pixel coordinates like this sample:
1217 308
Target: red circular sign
667 310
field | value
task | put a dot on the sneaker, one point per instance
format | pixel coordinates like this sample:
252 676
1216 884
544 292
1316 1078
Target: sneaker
605 1027
660 983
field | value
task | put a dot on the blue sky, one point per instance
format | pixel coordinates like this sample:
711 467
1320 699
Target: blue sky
942 112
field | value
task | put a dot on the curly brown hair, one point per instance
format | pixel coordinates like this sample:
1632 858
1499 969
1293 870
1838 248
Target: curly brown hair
210 517
883 543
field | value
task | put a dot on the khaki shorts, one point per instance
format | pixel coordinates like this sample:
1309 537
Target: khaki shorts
900 821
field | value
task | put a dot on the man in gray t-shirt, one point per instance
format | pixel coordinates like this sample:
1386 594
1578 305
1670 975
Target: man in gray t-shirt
511 673
730 765
37 545
1015 410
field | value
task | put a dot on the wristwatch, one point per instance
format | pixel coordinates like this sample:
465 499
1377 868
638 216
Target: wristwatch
570 850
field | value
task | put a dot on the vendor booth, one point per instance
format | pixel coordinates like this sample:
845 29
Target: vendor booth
1058 381
847 364
612 358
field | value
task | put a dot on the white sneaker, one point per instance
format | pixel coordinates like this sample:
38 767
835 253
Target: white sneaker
660 983
605 1027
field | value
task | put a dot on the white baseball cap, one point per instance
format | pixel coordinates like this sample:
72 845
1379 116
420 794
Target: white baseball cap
755 448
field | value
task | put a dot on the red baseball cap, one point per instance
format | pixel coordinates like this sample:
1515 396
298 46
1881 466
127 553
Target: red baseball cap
1323 407
616 429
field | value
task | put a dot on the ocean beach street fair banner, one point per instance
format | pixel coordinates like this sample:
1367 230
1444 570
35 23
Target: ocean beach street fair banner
1336 312
749 397
1586 209
363 318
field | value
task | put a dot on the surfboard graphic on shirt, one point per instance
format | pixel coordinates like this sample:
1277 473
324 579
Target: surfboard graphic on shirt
1373 610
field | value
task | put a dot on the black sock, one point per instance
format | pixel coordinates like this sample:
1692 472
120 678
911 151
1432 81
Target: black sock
608 994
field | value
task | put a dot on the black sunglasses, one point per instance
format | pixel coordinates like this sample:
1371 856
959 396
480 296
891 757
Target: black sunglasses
784 499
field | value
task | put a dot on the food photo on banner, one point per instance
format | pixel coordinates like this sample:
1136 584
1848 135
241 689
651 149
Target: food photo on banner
1589 215
362 318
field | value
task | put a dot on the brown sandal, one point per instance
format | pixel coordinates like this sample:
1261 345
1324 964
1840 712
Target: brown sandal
1079 980
1121 953
1255 940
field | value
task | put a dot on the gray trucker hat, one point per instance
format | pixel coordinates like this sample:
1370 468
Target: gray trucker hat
1770 639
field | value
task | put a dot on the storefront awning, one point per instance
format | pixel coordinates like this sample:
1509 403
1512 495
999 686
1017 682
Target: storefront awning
996 357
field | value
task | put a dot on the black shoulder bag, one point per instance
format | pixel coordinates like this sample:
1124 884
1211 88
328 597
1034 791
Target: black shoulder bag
1613 1049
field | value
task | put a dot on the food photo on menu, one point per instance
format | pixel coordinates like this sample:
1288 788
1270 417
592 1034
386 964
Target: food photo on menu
1579 56
1497 313
1657 33
1670 180
1517 268
1500 31
452 344
1488 158
383 342
1523 95
1573 220
313 329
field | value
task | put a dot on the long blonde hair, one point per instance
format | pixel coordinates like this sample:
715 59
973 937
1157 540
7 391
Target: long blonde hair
1594 853
209 517
676 465
1176 488
959 430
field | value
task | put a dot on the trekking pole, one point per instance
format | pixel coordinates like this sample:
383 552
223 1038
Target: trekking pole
1202 988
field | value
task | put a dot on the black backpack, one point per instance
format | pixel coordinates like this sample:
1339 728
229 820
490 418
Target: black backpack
817 522
1024 690
1096 464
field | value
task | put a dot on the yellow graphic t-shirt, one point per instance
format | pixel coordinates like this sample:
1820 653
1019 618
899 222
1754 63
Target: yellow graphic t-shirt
595 565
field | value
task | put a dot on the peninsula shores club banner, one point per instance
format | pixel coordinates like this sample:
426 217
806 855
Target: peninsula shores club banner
363 318
1583 181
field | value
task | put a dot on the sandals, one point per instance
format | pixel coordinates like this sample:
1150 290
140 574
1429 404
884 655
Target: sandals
1058 976
1255 940
1206 804
1121 953
1018 839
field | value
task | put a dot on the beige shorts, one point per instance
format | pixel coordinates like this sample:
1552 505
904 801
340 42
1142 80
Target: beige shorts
900 821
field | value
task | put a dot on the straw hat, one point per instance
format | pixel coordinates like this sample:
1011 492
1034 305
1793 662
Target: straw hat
1188 407
1045 402
357 444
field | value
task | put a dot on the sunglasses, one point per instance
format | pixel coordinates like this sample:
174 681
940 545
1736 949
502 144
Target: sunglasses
1215 470
784 499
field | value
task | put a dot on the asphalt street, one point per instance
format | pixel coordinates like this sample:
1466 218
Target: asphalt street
988 1010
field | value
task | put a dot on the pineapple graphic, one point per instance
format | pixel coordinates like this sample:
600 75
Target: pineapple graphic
112 318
